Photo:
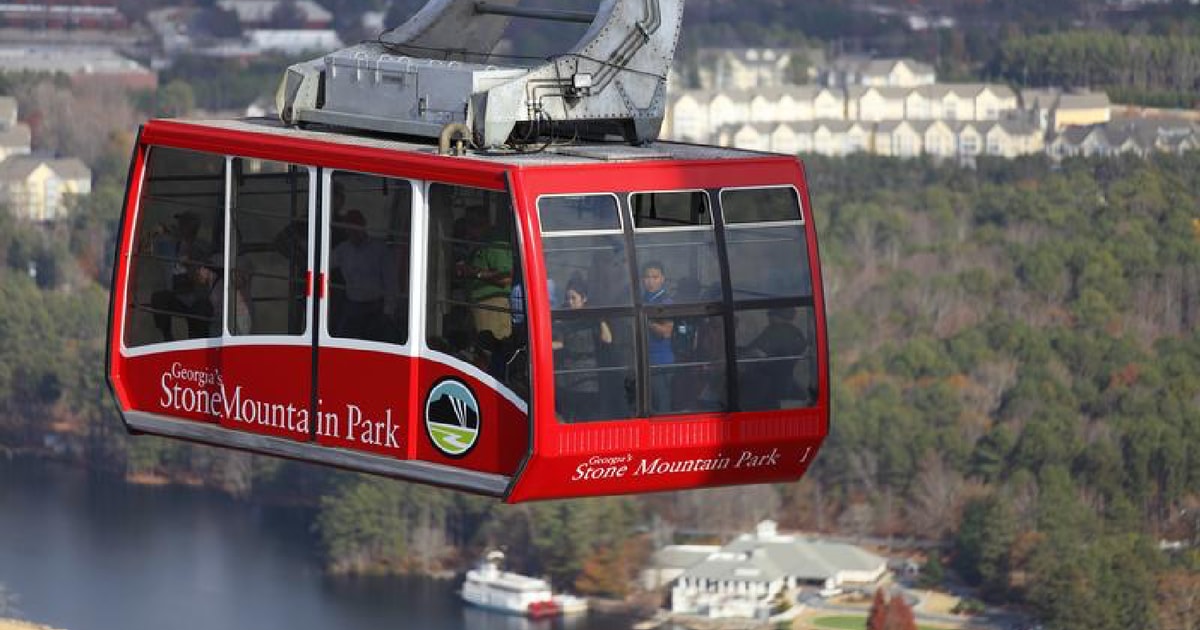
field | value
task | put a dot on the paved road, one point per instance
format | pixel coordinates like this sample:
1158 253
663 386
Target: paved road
992 618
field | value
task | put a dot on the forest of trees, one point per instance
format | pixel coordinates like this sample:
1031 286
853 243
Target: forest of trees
1156 70
1016 373
1016 370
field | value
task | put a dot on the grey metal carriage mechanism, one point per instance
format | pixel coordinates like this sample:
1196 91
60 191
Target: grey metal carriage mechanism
434 76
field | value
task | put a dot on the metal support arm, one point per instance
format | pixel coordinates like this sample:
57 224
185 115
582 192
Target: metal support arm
437 69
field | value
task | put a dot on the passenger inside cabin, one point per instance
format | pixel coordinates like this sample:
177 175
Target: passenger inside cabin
241 320
366 266
779 349
488 274
661 336
578 344
186 296
609 284
609 276
510 358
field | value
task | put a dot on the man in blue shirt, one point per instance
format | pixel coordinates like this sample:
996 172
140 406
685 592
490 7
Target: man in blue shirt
661 332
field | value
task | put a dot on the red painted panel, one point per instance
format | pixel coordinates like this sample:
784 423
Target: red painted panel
503 429
297 150
119 297
660 175
275 385
231 386
637 469
365 402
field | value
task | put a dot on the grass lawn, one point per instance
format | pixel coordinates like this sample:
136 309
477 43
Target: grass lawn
841 622
851 622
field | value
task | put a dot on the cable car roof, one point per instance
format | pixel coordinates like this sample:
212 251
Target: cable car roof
574 153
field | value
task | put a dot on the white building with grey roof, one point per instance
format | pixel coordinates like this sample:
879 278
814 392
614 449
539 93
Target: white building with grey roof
1140 137
745 577
860 70
15 137
102 63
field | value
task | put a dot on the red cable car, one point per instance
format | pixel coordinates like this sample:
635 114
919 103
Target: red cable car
587 319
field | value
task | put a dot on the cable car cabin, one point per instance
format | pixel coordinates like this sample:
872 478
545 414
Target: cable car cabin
585 320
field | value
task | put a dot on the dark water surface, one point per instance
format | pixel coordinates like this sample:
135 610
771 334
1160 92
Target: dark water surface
82 552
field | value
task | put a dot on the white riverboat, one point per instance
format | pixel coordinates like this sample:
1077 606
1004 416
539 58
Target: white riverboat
489 586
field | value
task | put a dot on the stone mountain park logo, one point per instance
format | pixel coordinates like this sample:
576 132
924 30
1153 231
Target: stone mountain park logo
452 417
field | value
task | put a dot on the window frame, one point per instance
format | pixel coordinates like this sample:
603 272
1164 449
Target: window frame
710 226
723 307
416 253
564 233
303 337
779 223
132 276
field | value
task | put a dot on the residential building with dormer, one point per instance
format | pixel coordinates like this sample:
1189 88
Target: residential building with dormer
851 70
895 107
889 107
750 68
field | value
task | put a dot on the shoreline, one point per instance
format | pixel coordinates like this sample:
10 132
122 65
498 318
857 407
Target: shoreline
19 624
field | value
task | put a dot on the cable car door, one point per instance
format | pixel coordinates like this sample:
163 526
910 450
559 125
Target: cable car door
266 359
364 359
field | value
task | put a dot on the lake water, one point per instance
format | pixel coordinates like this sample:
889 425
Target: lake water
83 552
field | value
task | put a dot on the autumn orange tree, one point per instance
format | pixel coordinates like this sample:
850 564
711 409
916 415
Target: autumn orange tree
890 613
878 615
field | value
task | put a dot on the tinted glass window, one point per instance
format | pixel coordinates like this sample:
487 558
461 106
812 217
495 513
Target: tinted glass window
691 378
678 265
674 233
476 306
593 364
670 209
598 260
269 248
593 326
579 213
180 228
760 205
674 319
776 363
369 257
768 254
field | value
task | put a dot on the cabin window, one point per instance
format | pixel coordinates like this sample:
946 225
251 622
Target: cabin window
369 246
269 248
476 306
656 331
776 361
769 275
178 242
764 234
674 229
592 326
681 293
579 213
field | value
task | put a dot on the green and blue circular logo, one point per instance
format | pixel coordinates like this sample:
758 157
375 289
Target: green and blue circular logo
452 417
